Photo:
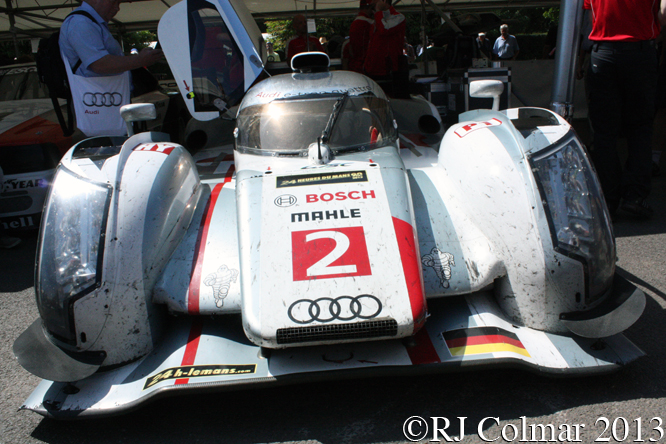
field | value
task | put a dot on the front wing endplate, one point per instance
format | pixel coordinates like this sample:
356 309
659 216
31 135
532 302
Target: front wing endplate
204 354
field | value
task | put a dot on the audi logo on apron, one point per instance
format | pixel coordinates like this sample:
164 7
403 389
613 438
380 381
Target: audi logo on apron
102 99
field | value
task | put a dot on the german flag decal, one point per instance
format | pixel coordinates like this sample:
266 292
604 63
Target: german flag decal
478 340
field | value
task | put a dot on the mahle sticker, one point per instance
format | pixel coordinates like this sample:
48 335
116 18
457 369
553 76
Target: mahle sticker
197 371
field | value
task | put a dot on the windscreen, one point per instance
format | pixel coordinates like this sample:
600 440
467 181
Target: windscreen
289 126
217 62
21 83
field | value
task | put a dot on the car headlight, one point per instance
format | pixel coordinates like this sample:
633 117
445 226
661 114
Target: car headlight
71 249
576 212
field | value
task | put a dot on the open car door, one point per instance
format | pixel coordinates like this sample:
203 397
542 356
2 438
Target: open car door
215 51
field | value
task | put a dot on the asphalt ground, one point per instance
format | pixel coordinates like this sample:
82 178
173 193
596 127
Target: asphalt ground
375 410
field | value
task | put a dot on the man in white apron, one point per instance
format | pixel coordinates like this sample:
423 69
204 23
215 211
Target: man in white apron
98 71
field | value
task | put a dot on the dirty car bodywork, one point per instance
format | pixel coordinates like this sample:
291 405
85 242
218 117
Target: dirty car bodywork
328 240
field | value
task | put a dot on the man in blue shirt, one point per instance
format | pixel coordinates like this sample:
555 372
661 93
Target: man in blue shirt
93 44
100 83
506 46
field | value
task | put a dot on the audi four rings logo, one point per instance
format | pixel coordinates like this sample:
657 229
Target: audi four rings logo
102 99
342 308
286 200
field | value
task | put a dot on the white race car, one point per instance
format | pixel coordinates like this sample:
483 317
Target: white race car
323 243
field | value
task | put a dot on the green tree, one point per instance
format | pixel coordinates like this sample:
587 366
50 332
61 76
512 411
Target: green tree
138 39
281 31
530 20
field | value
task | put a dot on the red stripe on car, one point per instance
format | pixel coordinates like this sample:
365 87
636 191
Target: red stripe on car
191 348
423 352
404 233
197 263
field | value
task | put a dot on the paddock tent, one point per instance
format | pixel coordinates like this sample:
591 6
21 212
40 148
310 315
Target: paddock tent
21 19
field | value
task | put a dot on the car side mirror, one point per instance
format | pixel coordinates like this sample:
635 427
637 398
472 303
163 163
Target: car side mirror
482 89
137 112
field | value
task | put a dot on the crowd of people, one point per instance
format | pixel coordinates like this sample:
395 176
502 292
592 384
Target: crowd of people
377 44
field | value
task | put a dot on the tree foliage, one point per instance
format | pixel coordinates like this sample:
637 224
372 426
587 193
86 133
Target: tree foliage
281 31
138 39
530 20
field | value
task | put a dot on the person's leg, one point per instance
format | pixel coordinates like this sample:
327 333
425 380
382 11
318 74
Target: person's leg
605 117
638 91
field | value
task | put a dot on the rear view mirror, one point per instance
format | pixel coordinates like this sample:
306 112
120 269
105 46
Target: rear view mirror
137 112
485 89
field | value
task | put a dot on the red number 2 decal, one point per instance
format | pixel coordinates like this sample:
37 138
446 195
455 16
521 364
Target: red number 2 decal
329 253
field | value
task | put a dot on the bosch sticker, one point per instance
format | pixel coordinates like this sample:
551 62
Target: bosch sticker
329 253
473 126
319 179
340 195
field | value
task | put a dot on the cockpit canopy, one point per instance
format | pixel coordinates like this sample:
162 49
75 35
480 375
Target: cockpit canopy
288 126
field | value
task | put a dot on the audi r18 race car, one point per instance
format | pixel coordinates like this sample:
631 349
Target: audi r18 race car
330 239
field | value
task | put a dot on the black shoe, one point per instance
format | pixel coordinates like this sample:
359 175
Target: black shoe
638 208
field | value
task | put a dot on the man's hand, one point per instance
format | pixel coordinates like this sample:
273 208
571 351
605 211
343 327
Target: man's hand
111 64
149 56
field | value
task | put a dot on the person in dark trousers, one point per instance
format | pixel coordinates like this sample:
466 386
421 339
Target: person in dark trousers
623 80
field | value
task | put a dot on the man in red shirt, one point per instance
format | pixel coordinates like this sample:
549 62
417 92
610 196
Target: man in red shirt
623 80
384 60
359 35
302 42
